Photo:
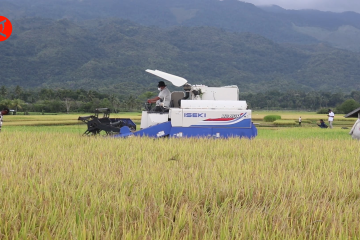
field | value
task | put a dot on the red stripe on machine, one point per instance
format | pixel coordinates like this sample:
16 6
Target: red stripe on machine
219 119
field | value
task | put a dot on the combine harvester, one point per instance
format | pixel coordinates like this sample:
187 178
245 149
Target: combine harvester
198 111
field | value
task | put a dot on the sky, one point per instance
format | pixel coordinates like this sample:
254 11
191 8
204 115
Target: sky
323 5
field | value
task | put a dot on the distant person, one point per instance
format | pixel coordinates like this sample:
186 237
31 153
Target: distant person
5 111
300 121
163 99
322 124
355 130
331 116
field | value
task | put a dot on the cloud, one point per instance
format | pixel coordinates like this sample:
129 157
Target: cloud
323 5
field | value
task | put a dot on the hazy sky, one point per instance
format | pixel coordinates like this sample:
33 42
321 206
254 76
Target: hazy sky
323 5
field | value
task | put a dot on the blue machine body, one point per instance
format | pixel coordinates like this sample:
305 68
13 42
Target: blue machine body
241 129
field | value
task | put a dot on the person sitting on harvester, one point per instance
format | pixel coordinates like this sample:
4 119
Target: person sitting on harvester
163 99
322 124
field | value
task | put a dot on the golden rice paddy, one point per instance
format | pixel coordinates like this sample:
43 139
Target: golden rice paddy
288 183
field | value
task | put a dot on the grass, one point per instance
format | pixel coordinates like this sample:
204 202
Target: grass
284 123
71 129
68 123
294 115
263 133
52 120
63 186
303 133
287 183
290 118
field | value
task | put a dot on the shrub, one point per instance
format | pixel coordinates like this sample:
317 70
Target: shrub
348 106
323 111
271 118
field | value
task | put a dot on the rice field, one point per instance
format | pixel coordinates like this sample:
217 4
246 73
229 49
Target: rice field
53 120
287 183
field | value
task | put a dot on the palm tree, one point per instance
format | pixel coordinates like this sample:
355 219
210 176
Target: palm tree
131 102
3 91
114 102
67 104
90 95
18 91
6 103
16 103
82 97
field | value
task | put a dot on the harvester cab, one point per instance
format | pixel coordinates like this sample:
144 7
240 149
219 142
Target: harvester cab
197 111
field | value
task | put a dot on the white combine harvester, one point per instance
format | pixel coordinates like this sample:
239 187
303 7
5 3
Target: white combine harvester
198 111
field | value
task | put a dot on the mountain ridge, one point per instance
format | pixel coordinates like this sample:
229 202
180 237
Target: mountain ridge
112 55
230 15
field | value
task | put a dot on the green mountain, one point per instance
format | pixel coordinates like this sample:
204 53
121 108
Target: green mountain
341 30
112 55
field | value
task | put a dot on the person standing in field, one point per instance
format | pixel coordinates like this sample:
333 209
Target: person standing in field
300 121
5 111
331 116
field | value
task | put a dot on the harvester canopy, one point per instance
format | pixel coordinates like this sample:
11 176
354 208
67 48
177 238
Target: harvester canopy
175 80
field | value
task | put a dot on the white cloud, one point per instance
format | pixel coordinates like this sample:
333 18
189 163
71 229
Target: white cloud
323 5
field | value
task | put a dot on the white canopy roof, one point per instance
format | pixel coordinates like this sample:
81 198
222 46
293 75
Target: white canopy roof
175 80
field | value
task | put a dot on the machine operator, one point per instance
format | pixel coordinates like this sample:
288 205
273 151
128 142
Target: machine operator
163 99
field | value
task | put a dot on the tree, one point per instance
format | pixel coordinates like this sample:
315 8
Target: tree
131 103
5 103
3 91
146 95
18 91
96 103
105 103
348 106
90 95
46 94
55 106
17 103
114 102
355 95
67 104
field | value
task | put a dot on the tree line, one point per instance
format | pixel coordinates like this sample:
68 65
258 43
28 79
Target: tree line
298 100
48 100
